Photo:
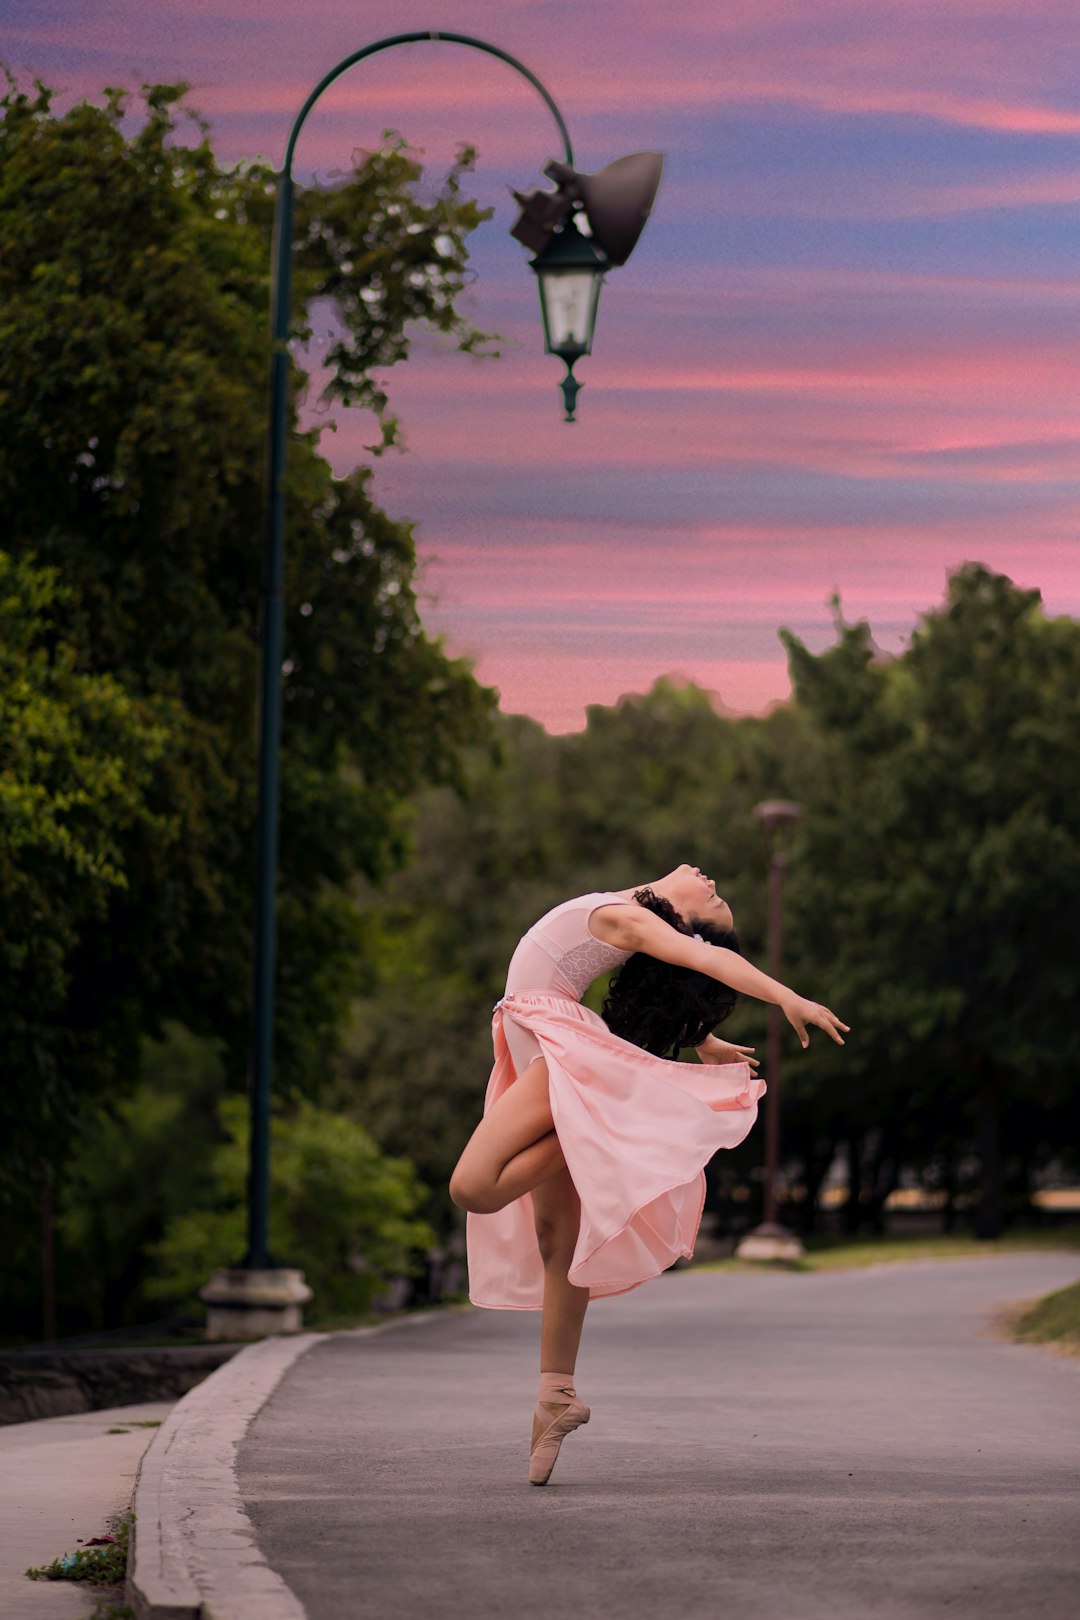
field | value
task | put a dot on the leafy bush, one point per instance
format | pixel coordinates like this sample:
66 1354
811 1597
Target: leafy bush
111 1208
339 1208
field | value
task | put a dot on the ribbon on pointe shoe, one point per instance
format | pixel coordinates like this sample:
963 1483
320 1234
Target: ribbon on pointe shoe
558 1413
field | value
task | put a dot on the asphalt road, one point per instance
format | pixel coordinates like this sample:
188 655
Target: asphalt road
762 1447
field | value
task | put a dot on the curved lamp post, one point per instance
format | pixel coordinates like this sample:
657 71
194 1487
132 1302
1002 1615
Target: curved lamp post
770 1240
257 1296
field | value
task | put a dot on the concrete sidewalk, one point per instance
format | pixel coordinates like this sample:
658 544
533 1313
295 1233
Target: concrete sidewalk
61 1480
769 1447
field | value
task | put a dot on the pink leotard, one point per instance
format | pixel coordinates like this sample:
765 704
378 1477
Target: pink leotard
560 955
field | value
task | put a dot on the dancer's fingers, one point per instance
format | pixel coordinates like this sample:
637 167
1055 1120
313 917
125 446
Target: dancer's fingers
831 1024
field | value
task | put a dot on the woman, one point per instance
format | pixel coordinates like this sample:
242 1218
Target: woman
585 1176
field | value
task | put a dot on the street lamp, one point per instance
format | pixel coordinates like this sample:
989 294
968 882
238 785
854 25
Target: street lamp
569 274
770 1240
257 1296
614 204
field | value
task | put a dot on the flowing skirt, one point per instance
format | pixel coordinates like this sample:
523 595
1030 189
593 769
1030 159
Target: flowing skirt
636 1132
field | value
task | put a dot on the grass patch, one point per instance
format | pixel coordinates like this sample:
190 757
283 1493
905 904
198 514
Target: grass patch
104 1569
842 1254
1054 1319
836 1254
102 1566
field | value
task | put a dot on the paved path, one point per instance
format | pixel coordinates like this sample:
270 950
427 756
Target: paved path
763 1447
61 1480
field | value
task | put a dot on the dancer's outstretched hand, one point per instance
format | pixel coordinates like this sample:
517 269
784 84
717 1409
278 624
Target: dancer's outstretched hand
714 1050
799 1012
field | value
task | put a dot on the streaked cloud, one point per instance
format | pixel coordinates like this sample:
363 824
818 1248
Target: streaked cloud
843 357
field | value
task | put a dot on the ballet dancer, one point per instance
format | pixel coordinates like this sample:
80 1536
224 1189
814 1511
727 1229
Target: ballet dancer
585 1176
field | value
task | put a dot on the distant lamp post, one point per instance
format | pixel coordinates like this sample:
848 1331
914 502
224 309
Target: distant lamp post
770 1240
258 1296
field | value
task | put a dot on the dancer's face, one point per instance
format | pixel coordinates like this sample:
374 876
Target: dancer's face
694 895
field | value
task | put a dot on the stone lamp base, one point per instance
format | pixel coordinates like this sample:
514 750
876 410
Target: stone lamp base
770 1242
253 1304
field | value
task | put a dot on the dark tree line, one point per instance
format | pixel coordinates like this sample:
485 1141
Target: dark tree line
932 891
134 352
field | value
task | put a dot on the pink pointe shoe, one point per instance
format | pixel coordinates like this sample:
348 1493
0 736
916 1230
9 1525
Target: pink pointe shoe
558 1413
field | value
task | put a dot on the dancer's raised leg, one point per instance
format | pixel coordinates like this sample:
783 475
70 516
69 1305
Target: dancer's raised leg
512 1150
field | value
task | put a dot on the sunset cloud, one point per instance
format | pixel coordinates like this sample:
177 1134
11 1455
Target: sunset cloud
843 357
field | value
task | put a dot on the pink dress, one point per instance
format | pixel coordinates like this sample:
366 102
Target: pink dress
636 1130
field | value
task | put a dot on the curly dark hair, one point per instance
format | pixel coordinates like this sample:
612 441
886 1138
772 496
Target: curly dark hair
659 1006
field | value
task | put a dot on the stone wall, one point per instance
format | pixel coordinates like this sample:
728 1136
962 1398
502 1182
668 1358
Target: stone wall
43 1383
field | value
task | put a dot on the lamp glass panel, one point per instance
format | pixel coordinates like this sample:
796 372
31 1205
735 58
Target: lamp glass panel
569 307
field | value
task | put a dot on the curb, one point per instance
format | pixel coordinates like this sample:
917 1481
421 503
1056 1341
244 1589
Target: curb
195 1554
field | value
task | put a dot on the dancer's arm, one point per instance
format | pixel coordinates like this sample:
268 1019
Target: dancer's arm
633 928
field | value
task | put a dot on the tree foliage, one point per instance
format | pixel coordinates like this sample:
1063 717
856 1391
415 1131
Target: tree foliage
339 1208
133 364
931 890
939 872
79 755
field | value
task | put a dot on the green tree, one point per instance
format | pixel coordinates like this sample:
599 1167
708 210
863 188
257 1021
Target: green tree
134 353
133 360
939 873
79 759
145 1160
339 1208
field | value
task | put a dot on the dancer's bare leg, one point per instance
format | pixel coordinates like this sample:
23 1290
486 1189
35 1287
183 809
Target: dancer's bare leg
515 1150
558 1214
512 1150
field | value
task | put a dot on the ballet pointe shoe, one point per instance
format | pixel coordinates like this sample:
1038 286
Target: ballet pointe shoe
558 1413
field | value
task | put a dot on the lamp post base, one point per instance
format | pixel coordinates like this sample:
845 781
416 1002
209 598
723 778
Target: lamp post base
245 1304
770 1242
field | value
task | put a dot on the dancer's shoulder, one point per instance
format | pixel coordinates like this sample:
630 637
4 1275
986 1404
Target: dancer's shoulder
584 905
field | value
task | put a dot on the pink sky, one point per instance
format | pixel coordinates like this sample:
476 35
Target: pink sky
843 357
